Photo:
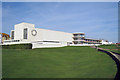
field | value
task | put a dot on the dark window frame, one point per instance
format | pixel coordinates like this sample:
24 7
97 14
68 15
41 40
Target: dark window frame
25 32
12 34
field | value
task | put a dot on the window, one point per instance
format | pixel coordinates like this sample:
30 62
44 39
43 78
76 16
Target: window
25 33
75 35
75 38
12 35
81 35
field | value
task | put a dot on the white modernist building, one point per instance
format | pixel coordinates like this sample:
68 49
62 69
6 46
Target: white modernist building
27 33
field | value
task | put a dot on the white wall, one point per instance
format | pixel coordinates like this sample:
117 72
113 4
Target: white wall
104 42
85 44
44 45
50 35
18 28
42 34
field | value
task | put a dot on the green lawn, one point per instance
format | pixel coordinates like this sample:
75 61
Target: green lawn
65 62
113 46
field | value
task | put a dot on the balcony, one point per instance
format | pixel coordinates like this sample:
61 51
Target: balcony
77 36
91 41
79 40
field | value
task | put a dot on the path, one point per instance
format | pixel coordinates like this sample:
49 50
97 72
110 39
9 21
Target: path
115 57
113 53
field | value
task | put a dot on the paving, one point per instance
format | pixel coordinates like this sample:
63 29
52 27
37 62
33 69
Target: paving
114 54
116 58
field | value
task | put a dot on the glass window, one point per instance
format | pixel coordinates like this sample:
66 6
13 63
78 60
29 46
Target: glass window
12 35
25 33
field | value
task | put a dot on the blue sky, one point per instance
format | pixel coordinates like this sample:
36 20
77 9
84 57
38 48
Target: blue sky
97 20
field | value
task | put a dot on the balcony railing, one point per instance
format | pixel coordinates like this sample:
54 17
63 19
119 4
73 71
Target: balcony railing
78 36
79 40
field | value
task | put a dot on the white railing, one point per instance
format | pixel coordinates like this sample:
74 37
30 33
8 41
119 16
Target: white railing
79 40
78 36
84 44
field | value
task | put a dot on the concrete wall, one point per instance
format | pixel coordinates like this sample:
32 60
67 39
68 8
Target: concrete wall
50 35
45 45
42 35
104 42
18 31
85 44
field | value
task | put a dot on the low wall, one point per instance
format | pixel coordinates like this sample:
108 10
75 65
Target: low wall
18 46
85 44
46 45
11 43
49 44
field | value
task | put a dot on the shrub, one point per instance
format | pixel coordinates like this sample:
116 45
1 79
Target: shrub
17 46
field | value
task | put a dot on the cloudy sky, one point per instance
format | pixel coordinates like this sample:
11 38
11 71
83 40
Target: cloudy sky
97 20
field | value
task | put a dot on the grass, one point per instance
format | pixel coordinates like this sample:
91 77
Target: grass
113 46
65 62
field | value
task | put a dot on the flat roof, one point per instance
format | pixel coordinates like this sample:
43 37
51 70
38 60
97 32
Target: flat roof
78 33
91 39
24 23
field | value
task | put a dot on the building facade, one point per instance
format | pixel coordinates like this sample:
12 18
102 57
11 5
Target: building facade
27 33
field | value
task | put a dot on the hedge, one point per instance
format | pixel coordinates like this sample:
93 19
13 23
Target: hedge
17 46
